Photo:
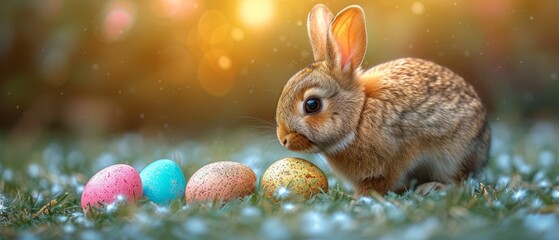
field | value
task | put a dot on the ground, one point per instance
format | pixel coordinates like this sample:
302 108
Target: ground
516 197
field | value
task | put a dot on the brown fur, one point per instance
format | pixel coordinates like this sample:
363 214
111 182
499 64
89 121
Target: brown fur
408 119
371 85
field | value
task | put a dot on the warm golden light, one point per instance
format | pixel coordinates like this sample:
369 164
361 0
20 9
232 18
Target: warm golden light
237 34
256 13
175 9
175 64
224 62
418 8
216 73
166 8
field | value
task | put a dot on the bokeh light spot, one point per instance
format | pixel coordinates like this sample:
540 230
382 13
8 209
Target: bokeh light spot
209 21
220 34
417 8
213 32
256 13
118 21
224 62
213 77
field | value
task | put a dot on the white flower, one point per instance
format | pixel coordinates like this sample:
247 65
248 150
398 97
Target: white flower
555 194
540 222
251 212
274 228
195 226
365 200
282 192
162 209
519 195
315 224
288 207
2 206
111 207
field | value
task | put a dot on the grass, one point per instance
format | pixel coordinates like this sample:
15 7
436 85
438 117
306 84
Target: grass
517 196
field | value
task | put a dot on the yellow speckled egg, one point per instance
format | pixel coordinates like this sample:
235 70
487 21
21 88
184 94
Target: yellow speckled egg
293 176
221 181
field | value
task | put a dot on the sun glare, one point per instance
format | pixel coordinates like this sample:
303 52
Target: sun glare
256 13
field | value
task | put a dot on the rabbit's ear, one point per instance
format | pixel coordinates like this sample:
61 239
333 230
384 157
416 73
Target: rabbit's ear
317 23
349 35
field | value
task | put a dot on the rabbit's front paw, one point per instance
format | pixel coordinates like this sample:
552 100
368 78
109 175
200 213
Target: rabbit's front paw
426 188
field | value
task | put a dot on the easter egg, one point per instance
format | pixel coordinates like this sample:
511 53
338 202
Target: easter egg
220 181
110 183
163 181
293 176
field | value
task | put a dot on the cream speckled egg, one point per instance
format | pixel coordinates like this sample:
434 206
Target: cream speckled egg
220 181
295 175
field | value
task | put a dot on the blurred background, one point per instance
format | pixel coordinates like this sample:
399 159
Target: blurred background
188 68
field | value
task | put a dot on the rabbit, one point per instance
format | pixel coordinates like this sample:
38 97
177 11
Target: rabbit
382 129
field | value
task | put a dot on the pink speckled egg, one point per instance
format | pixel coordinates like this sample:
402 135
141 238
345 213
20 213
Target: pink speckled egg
220 181
106 185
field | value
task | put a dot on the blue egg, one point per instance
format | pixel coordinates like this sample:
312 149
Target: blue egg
163 181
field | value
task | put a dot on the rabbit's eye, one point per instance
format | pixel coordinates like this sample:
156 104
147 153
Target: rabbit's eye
312 105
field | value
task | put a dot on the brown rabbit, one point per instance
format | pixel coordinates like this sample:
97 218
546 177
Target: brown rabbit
384 127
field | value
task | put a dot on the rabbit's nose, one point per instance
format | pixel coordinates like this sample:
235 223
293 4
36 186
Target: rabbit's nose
282 136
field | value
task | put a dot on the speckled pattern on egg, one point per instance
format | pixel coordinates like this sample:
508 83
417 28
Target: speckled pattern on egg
106 185
300 176
220 181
